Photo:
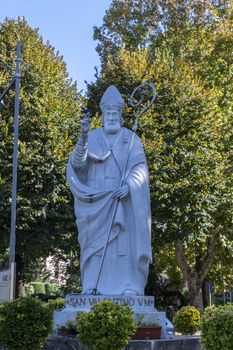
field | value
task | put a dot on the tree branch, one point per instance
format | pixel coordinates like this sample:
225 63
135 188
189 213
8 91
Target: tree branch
211 245
181 259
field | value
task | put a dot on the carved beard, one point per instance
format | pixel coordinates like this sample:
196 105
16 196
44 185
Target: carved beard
112 127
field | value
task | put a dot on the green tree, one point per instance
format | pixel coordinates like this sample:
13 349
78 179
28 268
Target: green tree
129 23
187 136
48 129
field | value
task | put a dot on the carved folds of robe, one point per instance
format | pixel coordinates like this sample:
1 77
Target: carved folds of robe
126 263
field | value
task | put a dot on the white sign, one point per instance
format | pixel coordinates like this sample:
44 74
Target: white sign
4 285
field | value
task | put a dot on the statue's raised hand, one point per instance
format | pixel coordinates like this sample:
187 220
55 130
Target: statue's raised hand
85 125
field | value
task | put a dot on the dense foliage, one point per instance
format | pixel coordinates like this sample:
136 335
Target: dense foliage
187 320
43 290
56 304
216 326
106 326
25 324
48 130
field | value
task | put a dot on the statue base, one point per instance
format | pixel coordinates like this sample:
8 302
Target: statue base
75 303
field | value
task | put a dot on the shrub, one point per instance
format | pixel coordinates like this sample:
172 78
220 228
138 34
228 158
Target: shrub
39 287
69 329
106 326
141 322
216 328
44 291
56 304
29 289
52 289
25 324
187 320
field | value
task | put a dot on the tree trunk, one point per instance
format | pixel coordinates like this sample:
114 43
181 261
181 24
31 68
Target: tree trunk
195 292
195 277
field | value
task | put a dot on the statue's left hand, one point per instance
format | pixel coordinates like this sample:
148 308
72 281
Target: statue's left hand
121 192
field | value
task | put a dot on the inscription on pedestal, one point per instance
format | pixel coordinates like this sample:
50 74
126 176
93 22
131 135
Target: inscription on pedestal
76 303
86 301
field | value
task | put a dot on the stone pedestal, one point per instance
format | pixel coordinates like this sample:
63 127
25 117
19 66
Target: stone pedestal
75 303
176 343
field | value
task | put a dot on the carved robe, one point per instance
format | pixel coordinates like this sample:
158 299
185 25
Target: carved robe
126 263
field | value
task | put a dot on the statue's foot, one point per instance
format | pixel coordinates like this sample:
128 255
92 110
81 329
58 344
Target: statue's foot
90 292
129 292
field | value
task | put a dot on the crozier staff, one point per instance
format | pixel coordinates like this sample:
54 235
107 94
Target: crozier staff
94 175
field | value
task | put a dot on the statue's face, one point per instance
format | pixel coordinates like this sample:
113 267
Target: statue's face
112 121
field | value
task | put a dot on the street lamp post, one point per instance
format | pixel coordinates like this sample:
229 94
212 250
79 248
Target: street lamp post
16 81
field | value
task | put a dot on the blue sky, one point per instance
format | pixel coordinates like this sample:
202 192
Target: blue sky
68 25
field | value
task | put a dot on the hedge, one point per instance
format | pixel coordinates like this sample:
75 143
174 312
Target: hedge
216 328
25 324
187 320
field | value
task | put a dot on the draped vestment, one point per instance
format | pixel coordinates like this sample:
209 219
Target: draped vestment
128 254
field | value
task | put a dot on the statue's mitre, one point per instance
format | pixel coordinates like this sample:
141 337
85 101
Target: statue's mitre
112 99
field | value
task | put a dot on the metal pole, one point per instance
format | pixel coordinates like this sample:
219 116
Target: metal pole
113 217
223 284
14 179
210 295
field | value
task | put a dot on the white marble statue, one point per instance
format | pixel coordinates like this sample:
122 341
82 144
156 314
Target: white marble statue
94 175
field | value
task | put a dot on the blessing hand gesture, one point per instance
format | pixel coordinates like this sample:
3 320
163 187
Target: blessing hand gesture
85 124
